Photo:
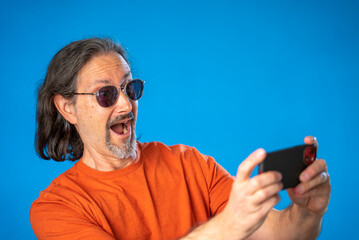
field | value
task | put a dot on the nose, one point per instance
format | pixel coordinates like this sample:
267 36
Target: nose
123 104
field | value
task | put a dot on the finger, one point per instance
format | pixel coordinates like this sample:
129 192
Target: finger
267 192
320 190
307 186
313 170
263 180
311 140
267 205
246 167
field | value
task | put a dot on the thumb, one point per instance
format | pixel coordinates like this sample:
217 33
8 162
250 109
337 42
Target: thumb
246 168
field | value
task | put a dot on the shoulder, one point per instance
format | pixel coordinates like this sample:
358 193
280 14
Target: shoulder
181 152
65 197
179 155
61 189
161 148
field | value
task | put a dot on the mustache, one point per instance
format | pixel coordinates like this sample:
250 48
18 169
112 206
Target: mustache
119 118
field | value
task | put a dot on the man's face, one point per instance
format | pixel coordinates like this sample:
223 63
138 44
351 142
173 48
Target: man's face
106 131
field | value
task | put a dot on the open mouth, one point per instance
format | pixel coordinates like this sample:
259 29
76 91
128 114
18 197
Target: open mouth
122 128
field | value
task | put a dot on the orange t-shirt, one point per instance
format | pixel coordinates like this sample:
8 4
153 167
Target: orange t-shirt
164 193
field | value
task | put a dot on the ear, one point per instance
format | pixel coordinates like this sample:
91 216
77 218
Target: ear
66 108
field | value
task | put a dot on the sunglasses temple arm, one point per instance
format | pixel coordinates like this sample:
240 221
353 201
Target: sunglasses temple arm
85 93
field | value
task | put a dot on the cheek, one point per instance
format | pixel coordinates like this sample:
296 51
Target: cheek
90 119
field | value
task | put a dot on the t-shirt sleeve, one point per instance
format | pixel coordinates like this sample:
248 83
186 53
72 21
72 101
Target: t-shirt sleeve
53 220
219 182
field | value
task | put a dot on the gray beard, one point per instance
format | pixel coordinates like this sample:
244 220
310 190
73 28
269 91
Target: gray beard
128 147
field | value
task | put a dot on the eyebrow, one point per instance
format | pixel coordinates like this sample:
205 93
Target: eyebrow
126 75
105 81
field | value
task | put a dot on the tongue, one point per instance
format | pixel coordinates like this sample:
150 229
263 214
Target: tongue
117 128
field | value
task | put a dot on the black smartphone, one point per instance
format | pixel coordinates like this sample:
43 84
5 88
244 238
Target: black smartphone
290 162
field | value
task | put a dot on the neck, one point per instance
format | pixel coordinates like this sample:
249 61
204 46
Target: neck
105 163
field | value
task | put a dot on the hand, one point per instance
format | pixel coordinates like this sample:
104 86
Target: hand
251 199
313 192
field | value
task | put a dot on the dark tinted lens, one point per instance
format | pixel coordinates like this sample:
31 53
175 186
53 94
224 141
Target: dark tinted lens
107 96
134 89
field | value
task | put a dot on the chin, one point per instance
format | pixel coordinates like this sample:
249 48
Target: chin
126 149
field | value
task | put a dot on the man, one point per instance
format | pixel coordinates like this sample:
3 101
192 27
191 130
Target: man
124 189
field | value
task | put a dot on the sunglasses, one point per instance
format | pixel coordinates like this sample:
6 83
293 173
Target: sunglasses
108 95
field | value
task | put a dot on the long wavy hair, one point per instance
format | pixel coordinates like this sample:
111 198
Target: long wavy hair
55 137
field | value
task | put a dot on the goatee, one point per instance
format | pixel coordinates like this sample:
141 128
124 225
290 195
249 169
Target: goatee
129 145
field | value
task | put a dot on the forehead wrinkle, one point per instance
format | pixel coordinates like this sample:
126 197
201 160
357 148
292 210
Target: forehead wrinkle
104 69
107 81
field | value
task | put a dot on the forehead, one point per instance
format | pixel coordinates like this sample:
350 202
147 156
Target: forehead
110 67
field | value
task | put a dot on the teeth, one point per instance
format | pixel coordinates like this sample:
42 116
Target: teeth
124 128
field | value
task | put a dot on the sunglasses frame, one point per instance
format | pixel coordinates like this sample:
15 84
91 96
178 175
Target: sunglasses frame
122 89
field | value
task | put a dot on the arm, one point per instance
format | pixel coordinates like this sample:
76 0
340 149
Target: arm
249 213
250 201
56 221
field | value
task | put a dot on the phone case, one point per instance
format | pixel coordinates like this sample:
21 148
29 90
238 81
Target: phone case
290 162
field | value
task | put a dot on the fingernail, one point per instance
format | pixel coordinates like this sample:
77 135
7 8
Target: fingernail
304 177
260 151
279 176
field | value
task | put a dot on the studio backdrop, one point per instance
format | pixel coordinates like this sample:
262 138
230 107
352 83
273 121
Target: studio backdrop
226 77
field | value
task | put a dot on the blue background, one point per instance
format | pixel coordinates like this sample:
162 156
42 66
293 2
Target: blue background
224 76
